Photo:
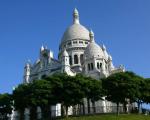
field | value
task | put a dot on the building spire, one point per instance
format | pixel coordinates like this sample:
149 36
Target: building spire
42 48
76 16
91 34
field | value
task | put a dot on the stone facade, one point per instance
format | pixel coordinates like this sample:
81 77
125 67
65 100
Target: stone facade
78 53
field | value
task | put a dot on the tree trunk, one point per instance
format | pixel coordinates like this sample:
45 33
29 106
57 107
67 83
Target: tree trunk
139 108
46 112
118 108
62 110
5 116
50 113
93 106
66 111
21 114
88 103
125 107
80 109
83 108
33 113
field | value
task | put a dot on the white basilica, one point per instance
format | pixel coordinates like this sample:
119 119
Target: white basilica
78 53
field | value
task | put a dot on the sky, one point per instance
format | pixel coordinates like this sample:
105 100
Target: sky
122 25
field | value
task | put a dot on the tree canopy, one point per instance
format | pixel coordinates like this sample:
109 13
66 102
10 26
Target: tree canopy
5 105
122 86
146 91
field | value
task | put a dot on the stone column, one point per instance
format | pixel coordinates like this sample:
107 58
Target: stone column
104 105
79 62
72 59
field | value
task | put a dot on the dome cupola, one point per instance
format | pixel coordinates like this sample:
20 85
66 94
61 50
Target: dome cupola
91 34
76 30
65 53
93 49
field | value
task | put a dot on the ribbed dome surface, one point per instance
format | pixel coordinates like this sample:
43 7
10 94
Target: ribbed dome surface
76 31
93 49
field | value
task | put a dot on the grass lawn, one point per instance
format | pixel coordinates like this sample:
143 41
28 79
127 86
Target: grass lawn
111 117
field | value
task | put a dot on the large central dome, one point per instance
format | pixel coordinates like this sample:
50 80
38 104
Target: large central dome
75 31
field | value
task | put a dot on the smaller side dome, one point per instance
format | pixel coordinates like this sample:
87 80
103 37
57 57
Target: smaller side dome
65 53
93 50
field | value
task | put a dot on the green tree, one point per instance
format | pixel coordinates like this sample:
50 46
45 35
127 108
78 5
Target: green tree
57 87
121 87
92 90
21 98
41 96
5 105
96 92
134 88
67 91
37 93
146 91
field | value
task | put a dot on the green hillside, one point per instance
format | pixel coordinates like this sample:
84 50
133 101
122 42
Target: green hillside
111 117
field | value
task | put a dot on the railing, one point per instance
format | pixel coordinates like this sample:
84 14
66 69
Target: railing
98 110
77 111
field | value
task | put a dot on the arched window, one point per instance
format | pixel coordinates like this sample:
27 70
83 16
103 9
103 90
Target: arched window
89 67
70 60
92 66
98 65
81 59
75 59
